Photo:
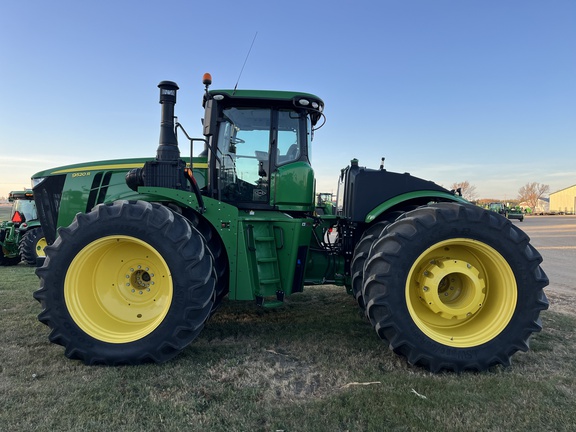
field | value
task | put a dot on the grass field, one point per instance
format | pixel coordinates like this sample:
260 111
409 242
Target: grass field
313 365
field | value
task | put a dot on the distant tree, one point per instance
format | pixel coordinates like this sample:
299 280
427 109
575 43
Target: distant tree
468 190
531 193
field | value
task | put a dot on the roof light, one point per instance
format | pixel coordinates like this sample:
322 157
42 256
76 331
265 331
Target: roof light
218 97
315 105
207 79
304 102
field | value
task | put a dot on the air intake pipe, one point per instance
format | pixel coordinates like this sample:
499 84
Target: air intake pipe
167 170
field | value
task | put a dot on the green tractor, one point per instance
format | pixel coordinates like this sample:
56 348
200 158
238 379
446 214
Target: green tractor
507 212
21 237
142 252
325 203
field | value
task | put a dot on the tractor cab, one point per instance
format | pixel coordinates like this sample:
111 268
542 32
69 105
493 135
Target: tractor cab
23 207
259 148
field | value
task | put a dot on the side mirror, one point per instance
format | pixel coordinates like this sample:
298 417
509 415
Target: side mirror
210 117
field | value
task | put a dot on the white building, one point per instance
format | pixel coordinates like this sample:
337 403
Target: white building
564 200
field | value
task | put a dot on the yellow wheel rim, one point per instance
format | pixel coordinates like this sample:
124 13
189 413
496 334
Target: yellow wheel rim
461 293
118 289
40 245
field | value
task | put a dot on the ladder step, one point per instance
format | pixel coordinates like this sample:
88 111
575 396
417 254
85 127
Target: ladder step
268 260
264 239
269 281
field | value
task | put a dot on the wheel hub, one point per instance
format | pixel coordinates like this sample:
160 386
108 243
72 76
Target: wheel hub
452 288
137 283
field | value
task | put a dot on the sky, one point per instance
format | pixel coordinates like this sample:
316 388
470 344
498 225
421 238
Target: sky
482 91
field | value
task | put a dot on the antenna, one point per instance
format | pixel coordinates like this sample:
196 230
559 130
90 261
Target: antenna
245 60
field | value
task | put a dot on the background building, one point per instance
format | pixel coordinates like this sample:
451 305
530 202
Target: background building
564 200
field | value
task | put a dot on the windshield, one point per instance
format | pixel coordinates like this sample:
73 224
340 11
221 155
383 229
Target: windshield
246 155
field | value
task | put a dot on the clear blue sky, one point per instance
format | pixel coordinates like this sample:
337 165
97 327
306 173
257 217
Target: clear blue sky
477 90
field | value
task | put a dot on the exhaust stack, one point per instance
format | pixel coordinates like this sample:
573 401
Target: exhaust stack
167 170
168 148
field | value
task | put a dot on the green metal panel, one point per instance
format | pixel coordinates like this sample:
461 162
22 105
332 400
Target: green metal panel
412 196
292 187
268 261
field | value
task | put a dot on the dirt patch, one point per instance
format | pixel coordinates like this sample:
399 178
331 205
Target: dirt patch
281 376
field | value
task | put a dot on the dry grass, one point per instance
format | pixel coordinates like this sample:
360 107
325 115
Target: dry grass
287 369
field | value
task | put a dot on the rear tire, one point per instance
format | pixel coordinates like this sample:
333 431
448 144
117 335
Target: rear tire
455 287
32 245
127 283
361 252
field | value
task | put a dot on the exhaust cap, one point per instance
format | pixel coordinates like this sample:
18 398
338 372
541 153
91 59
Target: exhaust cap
168 91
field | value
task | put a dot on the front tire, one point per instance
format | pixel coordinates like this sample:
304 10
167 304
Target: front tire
127 283
454 287
219 257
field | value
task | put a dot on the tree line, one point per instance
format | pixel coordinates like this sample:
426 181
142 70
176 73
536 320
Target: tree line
530 193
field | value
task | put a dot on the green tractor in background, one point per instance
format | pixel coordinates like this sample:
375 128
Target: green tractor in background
21 237
508 212
143 251
325 204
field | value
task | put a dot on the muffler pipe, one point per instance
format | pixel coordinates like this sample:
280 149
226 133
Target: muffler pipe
167 170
